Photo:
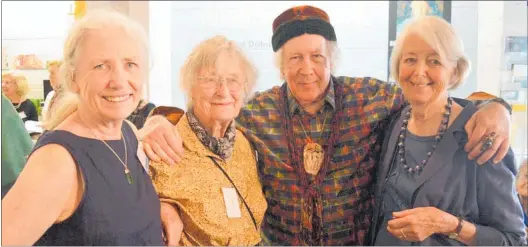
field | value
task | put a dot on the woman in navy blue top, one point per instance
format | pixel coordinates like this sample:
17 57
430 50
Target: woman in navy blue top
428 191
84 183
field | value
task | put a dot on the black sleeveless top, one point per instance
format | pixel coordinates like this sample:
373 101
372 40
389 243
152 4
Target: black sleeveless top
111 211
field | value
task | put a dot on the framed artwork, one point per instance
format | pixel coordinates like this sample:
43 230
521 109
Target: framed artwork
515 51
516 62
408 9
510 95
401 11
516 44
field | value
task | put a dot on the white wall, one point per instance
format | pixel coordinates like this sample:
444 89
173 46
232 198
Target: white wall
464 18
490 46
515 18
161 73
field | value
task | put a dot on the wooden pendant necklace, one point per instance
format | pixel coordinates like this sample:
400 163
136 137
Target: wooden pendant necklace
311 201
313 153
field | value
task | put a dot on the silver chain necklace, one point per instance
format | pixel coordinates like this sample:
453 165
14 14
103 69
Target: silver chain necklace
125 164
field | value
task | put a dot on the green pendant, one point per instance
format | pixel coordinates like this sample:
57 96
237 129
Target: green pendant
129 176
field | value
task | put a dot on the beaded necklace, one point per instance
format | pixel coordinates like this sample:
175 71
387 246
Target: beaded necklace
438 137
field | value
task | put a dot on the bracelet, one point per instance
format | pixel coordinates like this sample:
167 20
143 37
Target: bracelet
503 103
483 98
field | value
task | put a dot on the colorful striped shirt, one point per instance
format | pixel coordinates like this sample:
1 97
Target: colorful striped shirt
347 189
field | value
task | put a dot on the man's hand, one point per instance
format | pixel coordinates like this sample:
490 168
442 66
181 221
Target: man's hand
171 223
491 118
161 140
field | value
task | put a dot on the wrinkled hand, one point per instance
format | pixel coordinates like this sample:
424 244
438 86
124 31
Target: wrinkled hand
161 140
171 223
418 224
492 117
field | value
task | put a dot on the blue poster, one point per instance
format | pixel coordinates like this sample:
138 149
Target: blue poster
516 44
408 9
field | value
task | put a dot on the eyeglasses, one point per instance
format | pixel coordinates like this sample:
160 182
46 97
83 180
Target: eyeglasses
214 82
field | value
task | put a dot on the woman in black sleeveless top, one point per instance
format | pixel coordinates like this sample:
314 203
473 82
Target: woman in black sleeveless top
85 182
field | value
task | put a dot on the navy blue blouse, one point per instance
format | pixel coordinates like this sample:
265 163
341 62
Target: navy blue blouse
111 211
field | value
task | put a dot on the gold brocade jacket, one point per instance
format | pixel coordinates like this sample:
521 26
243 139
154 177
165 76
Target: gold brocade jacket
195 186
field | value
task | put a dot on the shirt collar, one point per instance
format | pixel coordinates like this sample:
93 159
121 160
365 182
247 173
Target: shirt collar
329 99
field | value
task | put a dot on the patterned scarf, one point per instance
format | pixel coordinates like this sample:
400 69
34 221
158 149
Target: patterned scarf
223 146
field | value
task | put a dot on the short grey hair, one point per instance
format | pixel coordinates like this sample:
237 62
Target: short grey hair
333 53
205 55
441 36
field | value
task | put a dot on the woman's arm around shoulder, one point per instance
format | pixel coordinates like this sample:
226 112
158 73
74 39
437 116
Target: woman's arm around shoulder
47 191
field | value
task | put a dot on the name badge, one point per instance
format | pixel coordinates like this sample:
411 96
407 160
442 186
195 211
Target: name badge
142 156
231 203
22 115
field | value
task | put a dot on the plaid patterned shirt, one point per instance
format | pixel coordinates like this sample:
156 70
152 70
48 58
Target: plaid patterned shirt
347 189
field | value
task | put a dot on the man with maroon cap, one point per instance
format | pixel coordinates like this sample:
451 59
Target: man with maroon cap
317 136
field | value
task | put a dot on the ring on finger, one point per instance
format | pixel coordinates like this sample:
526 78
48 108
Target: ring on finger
488 141
403 234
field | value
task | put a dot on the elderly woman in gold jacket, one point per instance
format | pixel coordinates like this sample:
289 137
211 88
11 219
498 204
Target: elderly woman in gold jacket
216 191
